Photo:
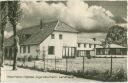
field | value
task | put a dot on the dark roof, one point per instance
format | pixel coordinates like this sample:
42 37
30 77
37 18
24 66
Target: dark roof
42 34
29 30
87 41
38 35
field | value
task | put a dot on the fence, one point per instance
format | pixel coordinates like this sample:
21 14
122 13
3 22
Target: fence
78 64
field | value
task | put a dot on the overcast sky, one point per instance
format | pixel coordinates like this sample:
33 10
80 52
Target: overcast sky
92 16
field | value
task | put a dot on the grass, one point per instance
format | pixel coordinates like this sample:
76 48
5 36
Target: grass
94 68
97 75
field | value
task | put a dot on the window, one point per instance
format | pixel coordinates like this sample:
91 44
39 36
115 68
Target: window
112 51
60 36
90 45
85 45
78 44
98 51
51 50
27 36
124 51
81 53
68 52
52 36
28 49
107 51
73 51
24 49
94 45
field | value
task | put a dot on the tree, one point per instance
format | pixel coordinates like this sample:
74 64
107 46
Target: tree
14 15
117 34
3 22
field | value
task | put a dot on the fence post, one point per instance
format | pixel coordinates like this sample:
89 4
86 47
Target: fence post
55 62
34 64
66 64
83 62
44 64
111 67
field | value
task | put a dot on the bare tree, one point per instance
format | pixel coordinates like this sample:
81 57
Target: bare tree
14 15
3 22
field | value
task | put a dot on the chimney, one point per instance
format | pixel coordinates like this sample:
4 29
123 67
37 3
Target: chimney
41 24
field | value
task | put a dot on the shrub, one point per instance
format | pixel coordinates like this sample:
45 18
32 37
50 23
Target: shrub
88 56
30 58
119 75
104 76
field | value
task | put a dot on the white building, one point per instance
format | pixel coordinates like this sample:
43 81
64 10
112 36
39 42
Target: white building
53 40
112 49
86 46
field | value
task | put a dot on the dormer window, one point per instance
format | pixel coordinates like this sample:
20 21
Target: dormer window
52 36
27 36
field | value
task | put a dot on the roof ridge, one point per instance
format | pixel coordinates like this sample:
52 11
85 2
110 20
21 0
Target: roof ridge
50 21
29 27
67 25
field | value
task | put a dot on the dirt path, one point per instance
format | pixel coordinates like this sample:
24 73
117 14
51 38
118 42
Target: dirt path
32 76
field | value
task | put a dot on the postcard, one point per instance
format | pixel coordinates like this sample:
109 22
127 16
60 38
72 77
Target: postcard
63 41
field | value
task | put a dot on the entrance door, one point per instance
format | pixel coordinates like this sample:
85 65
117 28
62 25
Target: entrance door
87 53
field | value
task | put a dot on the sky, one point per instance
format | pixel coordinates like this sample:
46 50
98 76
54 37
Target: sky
87 16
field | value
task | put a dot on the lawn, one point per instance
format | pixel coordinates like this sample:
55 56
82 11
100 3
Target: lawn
95 66
101 64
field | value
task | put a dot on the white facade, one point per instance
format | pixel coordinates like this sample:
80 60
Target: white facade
68 39
28 52
85 46
85 49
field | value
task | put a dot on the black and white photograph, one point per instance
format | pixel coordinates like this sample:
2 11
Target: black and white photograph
63 41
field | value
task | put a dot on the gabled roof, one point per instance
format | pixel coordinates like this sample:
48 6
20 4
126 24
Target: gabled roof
61 26
112 46
116 46
27 30
87 40
38 35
